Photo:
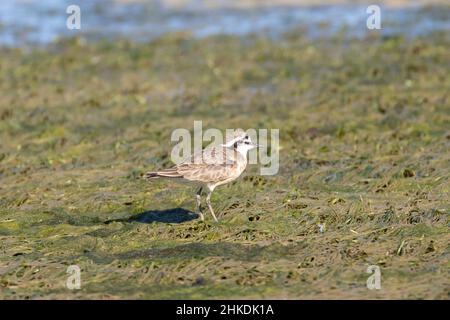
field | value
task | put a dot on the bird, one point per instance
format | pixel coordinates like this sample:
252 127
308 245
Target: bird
211 167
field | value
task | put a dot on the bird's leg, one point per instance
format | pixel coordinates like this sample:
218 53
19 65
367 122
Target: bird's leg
208 202
199 203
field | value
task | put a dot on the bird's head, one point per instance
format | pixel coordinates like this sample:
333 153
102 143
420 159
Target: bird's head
240 141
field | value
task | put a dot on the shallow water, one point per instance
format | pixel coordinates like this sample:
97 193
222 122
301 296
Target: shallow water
35 22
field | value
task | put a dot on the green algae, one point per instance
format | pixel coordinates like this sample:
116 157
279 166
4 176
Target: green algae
364 128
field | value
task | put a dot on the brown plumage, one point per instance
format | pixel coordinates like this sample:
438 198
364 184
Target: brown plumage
212 167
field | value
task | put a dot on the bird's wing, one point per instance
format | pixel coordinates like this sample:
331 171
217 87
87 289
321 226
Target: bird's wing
214 155
212 164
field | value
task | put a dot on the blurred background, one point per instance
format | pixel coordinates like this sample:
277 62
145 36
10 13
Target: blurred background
25 22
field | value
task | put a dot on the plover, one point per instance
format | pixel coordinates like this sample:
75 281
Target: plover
212 167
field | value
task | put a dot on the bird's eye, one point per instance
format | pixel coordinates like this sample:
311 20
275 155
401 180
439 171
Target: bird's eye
246 142
246 138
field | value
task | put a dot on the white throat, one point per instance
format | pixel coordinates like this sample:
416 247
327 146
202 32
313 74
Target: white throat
243 149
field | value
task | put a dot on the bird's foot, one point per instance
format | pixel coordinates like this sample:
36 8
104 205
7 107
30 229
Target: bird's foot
202 217
214 216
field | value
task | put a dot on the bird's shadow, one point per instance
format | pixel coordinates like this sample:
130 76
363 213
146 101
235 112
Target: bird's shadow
175 215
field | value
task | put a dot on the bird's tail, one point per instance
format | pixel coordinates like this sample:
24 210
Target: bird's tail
166 173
